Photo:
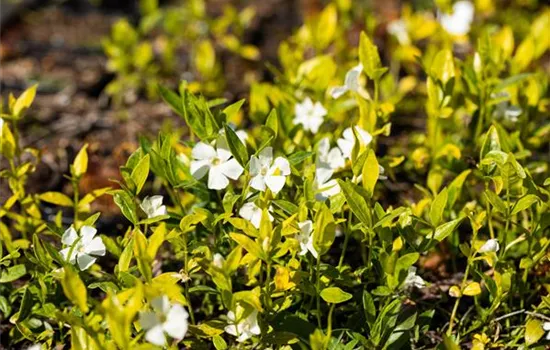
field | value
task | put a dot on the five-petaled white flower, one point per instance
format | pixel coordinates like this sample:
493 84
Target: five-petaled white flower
218 163
309 114
165 318
305 238
491 246
152 206
351 83
398 28
546 327
82 248
413 280
251 212
240 326
347 142
268 172
458 23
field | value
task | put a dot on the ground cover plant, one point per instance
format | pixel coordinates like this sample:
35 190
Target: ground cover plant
311 214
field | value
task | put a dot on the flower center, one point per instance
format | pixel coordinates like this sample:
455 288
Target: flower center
264 170
216 161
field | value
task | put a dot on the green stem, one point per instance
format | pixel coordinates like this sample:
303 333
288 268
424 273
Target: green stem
329 325
318 288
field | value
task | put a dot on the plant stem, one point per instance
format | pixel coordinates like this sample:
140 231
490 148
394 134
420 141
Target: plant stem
318 288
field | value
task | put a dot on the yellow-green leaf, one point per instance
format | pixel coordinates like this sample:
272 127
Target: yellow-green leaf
74 289
533 331
80 164
371 172
140 173
368 55
438 207
472 289
25 100
56 198
335 295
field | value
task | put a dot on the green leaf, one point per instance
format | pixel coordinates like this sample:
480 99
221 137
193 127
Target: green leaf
237 148
298 157
80 164
326 26
444 230
533 331
74 288
173 100
26 306
369 57
126 204
438 207
272 122
370 172
248 244
232 110
497 203
524 203
56 198
356 202
443 67
406 261
335 295
24 100
324 230
12 273
204 58
140 173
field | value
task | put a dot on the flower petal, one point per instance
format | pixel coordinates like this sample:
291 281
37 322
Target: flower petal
338 91
95 247
254 166
87 233
232 169
216 179
275 182
65 252
85 261
199 168
266 157
69 236
148 319
176 322
156 335
258 183
203 151
161 304
281 164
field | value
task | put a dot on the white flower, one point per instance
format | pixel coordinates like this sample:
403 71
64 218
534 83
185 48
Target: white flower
83 248
35 347
253 213
152 206
309 114
1 127
507 112
242 327
329 158
546 327
218 163
351 83
398 28
413 280
266 172
491 246
305 238
218 260
165 318
458 23
348 141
